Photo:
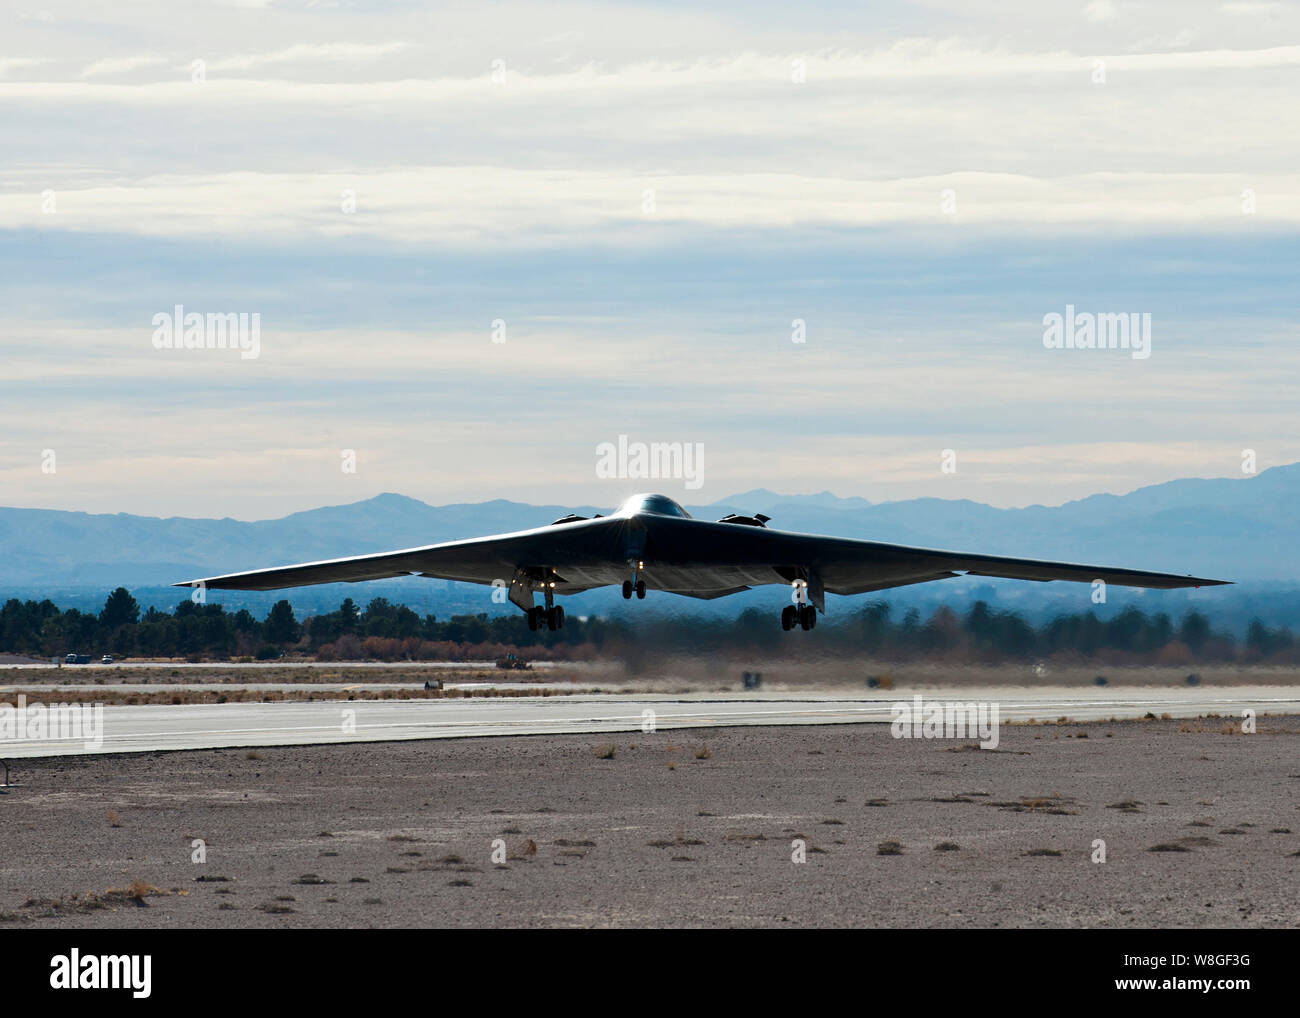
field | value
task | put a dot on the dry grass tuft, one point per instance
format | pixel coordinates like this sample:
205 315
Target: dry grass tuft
741 836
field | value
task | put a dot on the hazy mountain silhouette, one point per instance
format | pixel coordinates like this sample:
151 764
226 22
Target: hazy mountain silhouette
1235 529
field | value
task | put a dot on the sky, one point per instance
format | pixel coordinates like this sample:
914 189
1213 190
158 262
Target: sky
483 239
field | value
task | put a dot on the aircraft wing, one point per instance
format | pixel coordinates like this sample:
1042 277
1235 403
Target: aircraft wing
856 577
683 553
695 558
581 548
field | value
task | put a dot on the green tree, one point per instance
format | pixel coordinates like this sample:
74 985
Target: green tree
1194 631
281 627
121 609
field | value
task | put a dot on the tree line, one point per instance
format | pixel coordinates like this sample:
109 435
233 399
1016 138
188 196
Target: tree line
121 628
982 634
388 631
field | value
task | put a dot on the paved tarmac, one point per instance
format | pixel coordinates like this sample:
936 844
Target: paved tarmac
137 729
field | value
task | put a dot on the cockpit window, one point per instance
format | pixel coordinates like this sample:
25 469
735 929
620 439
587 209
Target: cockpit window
661 504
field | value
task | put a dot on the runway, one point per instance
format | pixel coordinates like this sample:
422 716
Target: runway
254 666
49 691
139 729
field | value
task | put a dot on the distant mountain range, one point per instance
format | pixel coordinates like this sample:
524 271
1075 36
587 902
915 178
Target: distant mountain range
1244 530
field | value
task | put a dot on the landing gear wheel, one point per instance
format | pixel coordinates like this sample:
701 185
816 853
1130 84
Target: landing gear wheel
627 590
787 617
555 617
640 590
535 618
808 617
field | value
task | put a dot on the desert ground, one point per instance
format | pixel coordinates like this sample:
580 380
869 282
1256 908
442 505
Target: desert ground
1201 826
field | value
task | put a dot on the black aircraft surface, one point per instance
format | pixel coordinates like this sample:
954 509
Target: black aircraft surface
652 543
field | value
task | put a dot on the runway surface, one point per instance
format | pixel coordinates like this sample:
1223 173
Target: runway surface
132 664
128 729
49 690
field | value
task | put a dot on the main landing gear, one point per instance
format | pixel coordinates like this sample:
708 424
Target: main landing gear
552 617
802 615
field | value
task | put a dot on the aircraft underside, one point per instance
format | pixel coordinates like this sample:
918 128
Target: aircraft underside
652 543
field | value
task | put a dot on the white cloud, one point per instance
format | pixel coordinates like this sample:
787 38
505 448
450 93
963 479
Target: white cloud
309 53
600 102
482 205
1253 8
906 59
1100 10
123 65
271 429
8 64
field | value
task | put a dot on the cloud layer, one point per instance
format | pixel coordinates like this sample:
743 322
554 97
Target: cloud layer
648 198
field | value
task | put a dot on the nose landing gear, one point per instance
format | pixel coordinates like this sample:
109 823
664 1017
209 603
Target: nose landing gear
807 594
634 584
802 615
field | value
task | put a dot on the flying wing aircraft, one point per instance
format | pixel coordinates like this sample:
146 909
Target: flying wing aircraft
652 543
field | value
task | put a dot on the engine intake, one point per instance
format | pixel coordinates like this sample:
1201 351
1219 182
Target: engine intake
757 520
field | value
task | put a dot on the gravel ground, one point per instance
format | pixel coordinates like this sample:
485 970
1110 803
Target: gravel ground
673 829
